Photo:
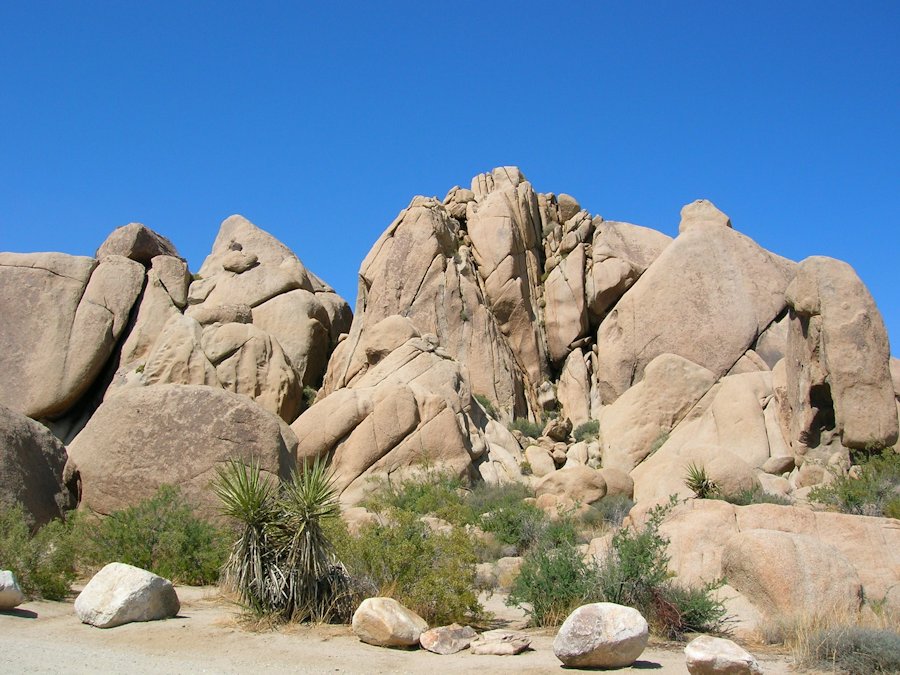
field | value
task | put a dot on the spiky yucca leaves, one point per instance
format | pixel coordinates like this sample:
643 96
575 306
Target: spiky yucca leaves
314 584
698 482
249 499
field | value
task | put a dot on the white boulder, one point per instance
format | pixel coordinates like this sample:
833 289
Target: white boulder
10 594
120 593
384 622
708 655
601 635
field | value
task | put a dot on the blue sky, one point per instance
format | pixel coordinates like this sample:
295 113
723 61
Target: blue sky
319 122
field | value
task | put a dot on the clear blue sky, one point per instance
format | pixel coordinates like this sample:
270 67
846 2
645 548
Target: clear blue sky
319 121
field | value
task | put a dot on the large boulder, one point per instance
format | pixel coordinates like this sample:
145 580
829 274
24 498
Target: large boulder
32 461
136 242
707 298
447 639
781 558
173 434
708 655
11 595
577 483
621 253
408 407
384 622
601 635
838 360
670 388
791 574
63 315
120 594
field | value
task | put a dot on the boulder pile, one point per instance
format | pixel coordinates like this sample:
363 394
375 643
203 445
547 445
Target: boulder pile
500 334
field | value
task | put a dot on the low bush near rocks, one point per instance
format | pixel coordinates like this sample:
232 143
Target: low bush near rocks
875 492
44 563
756 495
163 535
555 579
610 511
587 431
526 427
431 573
433 493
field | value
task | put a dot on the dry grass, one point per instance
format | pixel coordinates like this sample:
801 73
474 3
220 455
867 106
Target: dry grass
839 641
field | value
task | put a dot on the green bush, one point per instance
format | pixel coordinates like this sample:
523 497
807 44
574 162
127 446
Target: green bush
587 431
433 493
553 581
875 493
309 396
44 563
432 573
162 534
526 427
610 510
755 495
282 564
854 649
485 403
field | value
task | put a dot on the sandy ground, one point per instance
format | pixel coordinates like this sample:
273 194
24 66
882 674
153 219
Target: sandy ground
206 637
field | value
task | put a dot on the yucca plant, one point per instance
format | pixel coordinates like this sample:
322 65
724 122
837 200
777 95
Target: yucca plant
698 482
282 564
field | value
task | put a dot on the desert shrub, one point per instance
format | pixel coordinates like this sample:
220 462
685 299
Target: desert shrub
587 431
502 511
434 493
698 482
635 573
309 396
610 510
282 564
755 495
876 492
853 649
526 427
658 442
162 534
485 403
553 581
432 573
43 563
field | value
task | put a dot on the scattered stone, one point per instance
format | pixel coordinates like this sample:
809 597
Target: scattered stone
778 465
384 622
500 643
447 639
717 656
601 635
10 594
120 594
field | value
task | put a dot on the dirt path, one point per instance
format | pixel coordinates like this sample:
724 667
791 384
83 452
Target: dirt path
46 637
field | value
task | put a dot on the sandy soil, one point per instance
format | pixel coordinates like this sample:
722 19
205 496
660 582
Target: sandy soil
206 637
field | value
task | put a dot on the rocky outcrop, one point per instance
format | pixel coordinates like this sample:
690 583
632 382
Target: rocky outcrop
838 373
411 404
32 461
145 437
136 242
782 560
707 298
63 315
120 594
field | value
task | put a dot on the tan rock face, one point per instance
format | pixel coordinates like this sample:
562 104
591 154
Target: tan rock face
419 269
577 483
565 314
574 389
702 212
707 297
838 360
782 559
31 468
670 388
144 437
136 242
64 314
621 253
